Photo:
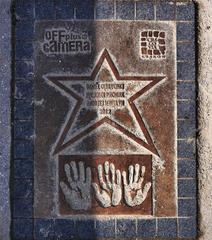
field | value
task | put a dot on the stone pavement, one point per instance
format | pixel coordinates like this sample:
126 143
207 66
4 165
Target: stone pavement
41 206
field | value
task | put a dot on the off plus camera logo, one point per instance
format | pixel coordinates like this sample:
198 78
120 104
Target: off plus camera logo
64 41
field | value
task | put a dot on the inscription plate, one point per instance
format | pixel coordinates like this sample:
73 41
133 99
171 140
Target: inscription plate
105 118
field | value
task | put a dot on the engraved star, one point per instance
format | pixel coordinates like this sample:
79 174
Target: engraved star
121 112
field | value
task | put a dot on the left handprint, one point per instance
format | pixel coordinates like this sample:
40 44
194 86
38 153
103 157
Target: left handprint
78 193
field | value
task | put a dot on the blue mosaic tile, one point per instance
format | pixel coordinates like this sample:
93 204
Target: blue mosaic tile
24 69
24 50
23 110
64 9
186 51
145 10
186 148
23 169
44 229
125 228
185 31
23 208
23 149
24 9
23 188
186 90
23 129
185 11
165 10
125 9
186 71
85 9
187 207
85 229
146 228
186 168
22 229
187 228
186 129
44 9
23 89
104 9
187 188
186 110
24 30
64 229
167 227
105 229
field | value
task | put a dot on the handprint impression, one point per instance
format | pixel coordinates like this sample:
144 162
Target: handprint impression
134 187
110 191
78 195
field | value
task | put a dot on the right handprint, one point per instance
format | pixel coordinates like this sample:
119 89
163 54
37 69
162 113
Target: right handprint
134 194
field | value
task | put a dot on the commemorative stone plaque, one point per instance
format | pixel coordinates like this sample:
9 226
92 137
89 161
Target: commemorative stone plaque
105 118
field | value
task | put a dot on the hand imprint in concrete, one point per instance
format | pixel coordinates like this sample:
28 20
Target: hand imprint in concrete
134 186
78 193
109 193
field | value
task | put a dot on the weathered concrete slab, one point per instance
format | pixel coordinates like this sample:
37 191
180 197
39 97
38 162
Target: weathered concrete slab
105 88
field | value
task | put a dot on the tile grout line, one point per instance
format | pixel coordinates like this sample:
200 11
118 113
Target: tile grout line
94 11
155 10
135 8
114 6
115 221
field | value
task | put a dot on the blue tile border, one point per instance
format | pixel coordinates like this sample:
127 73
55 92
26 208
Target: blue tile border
64 9
185 31
65 229
186 110
85 9
24 69
185 11
165 10
105 229
44 229
187 207
23 208
187 168
23 90
24 50
125 228
186 148
25 30
5 117
22 229
44 9
187 187
23 168
146 228
23 110
104 9
167 228
24 226
85 229
24 9
23 149
125 9
145 10
187 227
186 71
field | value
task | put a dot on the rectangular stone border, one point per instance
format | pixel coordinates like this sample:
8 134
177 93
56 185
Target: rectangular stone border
24 225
